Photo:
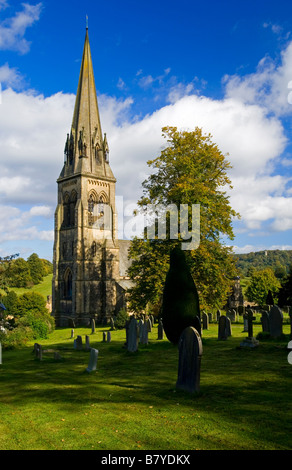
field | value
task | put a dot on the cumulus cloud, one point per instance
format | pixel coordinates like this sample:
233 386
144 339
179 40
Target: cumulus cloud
12 30
245 123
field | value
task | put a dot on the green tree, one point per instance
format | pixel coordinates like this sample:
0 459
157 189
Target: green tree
285 292
260 284
10 301
31 302
18 273
36 268
190 170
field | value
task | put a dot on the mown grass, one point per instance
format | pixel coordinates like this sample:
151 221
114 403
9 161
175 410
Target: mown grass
44 287
130 402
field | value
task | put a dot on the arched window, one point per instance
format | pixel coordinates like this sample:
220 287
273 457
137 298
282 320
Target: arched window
68 285
91 204
66 215
73 200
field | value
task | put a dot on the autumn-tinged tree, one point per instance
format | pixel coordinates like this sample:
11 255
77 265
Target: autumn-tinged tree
190 170
260 284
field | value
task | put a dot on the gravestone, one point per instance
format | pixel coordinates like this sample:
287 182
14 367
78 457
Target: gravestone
92 325
104 336
149 325
160 330
87 343
245 323
222 328
132 343
228 327
72 333
205 321
112 323
189 366
265 322
92 360
79 343
38 350
276 321
144 333
250 341
109 337
140 328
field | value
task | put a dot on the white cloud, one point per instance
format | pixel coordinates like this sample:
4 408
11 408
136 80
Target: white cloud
10 76
12 30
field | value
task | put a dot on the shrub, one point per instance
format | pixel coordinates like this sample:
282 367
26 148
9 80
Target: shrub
180 306
121 319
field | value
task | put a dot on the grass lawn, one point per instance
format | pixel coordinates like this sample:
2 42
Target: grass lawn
130 401
44 287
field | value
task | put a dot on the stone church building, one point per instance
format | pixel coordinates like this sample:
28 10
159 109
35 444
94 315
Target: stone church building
90 263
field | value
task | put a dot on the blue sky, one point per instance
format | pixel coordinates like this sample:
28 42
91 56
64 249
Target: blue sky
223 66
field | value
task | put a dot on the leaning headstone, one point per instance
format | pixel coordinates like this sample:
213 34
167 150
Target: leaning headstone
190 353
222 328
132 343
92 360
160 330
276 321
265 322
108 337
92 325
205 321
149 325
79 343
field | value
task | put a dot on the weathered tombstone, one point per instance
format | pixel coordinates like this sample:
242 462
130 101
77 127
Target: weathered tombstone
205 321
222 328
245 323
276 321
72 333
87 343
92 325
149 325
228 327
112 323
265 322
79 343
38 350
250 341
92 360
190 353
132 343
144 333
140 328
160 330
108 337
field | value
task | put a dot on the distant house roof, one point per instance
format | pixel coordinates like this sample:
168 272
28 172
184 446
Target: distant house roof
2 307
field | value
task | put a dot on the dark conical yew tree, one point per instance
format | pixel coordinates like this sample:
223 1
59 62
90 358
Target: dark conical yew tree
180 306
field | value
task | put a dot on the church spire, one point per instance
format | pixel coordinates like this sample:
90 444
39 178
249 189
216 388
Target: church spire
85 147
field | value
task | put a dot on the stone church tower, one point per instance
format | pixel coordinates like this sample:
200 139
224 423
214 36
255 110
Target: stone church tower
86 250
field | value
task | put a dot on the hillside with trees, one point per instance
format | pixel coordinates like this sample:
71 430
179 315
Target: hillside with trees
277 260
